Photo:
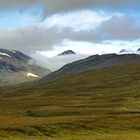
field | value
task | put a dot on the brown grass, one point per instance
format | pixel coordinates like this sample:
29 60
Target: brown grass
105 102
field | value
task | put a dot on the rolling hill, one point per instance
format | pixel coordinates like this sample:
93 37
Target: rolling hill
94 62
95 104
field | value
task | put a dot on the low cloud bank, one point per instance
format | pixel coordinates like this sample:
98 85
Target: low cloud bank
56 62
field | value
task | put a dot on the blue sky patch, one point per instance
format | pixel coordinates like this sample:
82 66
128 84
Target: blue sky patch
19 17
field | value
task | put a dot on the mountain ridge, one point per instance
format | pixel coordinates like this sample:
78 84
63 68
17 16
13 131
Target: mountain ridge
94 62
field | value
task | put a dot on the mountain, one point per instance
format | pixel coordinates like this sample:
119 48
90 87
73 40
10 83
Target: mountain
68 52
123 51
94 62
16 67
138 50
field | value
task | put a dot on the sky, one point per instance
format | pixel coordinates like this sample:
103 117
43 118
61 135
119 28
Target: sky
45 28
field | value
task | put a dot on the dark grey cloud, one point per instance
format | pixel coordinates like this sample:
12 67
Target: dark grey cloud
60 5
29 39
126 28
120 28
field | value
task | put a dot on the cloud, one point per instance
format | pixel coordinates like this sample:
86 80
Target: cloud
87 26
56 62
76 20
29 39
48 34
106 33
52 6
120 28
38 37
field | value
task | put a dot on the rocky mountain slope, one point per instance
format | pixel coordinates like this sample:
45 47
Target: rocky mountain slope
16 67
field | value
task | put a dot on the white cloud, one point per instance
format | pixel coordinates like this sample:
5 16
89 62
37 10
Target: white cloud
49 59
56 62
71 24
78 20
44 38
86 32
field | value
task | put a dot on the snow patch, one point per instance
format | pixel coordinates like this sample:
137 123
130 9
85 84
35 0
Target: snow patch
4 54
32 75
14 52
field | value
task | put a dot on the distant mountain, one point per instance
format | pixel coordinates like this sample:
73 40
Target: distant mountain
123 51
16 67
68 52
94 62
138 50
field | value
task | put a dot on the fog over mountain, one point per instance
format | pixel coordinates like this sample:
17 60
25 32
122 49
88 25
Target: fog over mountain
50 28
56 62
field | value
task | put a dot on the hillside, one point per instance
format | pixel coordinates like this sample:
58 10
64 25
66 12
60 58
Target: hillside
94 62
100 102
16 67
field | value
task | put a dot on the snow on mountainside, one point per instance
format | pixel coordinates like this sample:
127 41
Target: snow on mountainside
4 54
14 63
31 75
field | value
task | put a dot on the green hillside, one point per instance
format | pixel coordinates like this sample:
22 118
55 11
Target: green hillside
101 104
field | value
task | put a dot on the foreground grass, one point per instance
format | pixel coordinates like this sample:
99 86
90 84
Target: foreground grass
105 103
121 136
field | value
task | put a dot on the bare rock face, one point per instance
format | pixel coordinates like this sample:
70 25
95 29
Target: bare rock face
17 65
13 61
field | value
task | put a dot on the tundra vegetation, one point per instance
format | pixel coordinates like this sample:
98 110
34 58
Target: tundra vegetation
98 104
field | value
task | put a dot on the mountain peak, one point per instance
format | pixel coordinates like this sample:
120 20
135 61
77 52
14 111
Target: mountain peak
68 52
138 50
123 50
